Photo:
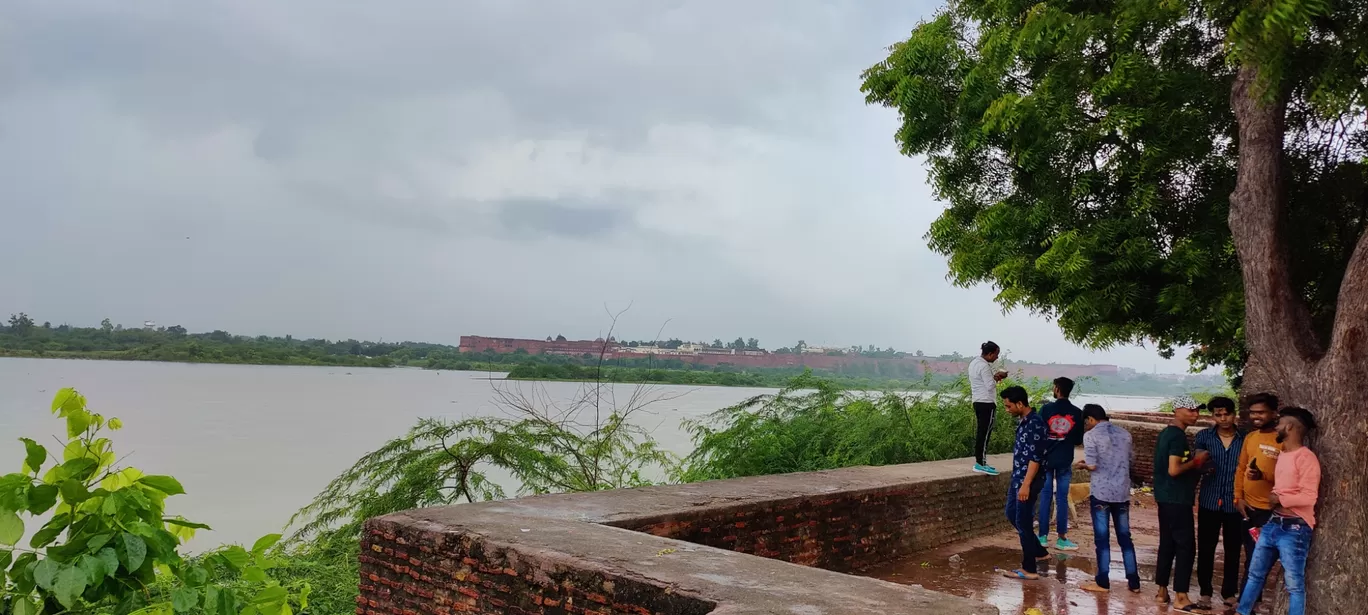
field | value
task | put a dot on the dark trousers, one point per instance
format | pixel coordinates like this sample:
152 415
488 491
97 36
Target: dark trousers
1258 517
1177 545
1214 526
986 413
1119 514
1022 516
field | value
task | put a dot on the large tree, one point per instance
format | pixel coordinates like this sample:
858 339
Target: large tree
1170 172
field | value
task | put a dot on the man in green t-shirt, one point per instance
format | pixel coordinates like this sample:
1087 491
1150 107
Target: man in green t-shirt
1176 470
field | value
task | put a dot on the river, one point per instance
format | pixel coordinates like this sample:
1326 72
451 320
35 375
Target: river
252 444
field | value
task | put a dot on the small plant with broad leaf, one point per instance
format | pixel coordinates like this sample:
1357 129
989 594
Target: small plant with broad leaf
108 546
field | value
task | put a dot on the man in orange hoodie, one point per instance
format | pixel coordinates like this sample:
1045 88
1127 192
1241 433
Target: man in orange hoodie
1254 478
1287 536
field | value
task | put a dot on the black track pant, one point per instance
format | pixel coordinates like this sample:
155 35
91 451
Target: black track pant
986 413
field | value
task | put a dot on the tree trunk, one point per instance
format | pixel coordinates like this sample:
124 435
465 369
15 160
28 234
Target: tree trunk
1289 359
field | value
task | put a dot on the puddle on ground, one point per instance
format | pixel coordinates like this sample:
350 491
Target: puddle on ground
975 575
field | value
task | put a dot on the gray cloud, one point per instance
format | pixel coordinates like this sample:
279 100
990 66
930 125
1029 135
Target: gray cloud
353 169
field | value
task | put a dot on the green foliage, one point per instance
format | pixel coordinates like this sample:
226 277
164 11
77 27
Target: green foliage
108 546
1087 153
544 447
812 425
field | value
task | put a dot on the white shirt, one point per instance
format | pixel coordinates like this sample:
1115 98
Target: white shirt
982 386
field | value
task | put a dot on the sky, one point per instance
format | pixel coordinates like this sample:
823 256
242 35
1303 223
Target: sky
424 169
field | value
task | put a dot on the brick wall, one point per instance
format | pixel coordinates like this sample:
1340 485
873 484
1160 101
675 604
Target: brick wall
755 545
849 530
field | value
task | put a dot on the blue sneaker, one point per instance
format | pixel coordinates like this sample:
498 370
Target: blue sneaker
1064 544
983 469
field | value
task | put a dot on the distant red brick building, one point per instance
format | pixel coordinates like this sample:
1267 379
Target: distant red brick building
760 359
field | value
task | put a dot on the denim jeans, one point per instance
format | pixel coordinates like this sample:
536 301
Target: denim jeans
1056 489
1119 514
1022 514
1288 539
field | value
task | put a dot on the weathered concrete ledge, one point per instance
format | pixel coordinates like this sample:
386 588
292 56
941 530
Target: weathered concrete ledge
769 544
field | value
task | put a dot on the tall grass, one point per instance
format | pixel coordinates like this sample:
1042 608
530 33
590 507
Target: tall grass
813 425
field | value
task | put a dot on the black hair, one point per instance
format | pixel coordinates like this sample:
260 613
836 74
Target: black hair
1221 402
1302 415
1094 411
1015 394
988 348
1267 399
1065 386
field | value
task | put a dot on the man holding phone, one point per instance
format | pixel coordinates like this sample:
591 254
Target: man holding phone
1258 462
1176 470
983 381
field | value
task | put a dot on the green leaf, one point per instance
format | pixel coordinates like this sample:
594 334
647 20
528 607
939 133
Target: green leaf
223 604
94 568
184 599
304 596
11 528
196 576
45 573
164 484
64 397
270 595
254 575
23 605
110 559
50 531
134 551
98 541
80 469
78 421
14 490
115 424
237 557
35 456
265 542
74 491
6 556
42 498
71 582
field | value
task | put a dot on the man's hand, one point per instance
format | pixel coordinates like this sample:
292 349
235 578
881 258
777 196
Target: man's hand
1023 493
1242 508
1081 465
1273 500
999 376
1254 474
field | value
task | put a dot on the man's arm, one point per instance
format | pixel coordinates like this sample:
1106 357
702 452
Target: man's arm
1177 467
1094 448
1024 491
1240 469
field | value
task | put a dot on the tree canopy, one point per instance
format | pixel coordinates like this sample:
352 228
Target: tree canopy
1087 152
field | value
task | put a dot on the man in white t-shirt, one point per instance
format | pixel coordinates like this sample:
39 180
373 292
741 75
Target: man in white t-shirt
983 381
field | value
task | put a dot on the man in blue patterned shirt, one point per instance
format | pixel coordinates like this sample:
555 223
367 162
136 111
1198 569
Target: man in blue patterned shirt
1027 455
1218 521
1107 457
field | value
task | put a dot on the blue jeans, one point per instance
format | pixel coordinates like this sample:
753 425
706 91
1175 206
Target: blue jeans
1021 514
1288 539
1119 513
1056 489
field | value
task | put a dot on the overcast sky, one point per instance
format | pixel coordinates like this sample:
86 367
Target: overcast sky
423 169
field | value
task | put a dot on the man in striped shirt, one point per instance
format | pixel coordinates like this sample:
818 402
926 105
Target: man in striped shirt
1218 521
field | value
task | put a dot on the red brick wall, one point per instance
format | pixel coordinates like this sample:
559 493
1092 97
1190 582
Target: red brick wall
849 530
410 571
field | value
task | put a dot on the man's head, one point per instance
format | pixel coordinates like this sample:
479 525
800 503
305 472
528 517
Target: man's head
1092 415
1063 387
1014 398
989 351
1222 411
1263 410
1185 410
1294 424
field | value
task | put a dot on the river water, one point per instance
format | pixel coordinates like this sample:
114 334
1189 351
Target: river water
252 444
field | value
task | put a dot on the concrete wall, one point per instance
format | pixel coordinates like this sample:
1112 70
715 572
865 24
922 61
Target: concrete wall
755 545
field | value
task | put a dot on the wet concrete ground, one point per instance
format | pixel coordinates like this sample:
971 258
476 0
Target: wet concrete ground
972 570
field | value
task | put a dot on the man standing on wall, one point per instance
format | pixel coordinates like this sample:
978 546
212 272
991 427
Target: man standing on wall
1287 535
983 389
1258 463
1028 452
1218 520
1064 432
1107 456
1176 470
